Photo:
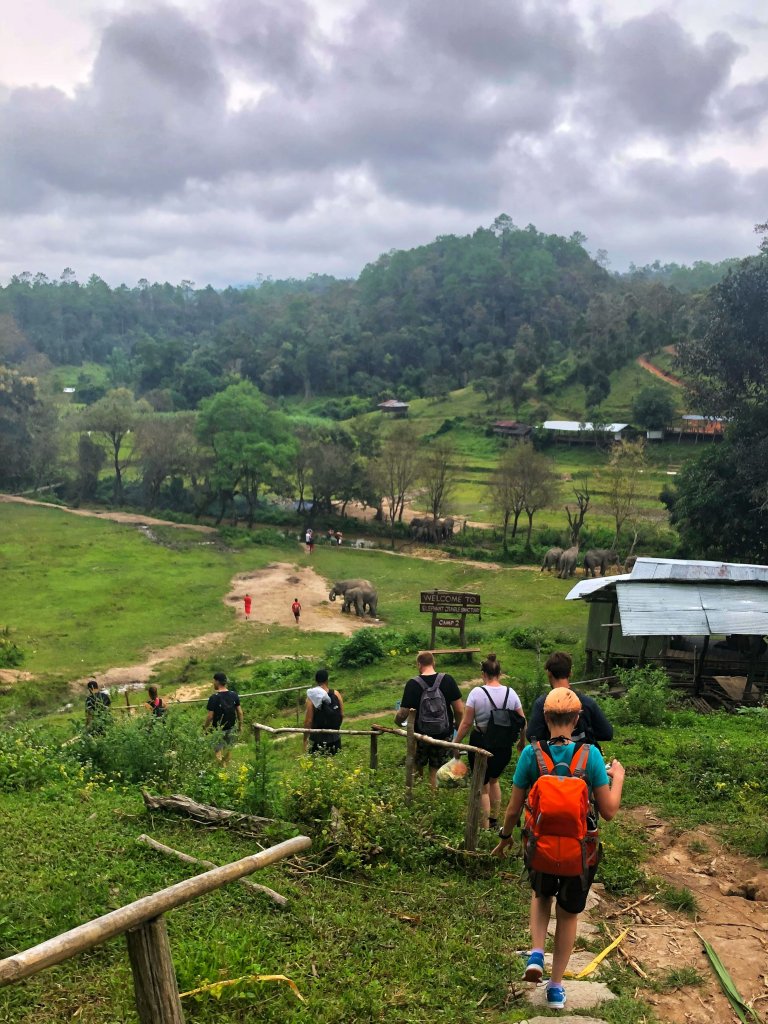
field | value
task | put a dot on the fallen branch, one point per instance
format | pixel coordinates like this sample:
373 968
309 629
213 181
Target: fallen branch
204 813
153 844
624 910
630 960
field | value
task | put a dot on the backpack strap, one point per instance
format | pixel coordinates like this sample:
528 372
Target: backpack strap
544 762
493 703
579 760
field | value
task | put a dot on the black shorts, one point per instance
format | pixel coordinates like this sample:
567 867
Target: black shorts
329 746
435 757
569 892
494 765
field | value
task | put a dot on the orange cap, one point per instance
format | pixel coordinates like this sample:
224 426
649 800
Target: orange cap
562 701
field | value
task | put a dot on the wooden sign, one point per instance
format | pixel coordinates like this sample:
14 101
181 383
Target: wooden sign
448 623
449 610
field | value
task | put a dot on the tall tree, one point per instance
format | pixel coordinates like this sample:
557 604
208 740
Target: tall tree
438 475
508 491
113 417
162 446
626 465
252 444
396 469
539 484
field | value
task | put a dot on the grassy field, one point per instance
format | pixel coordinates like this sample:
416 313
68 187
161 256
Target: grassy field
385 923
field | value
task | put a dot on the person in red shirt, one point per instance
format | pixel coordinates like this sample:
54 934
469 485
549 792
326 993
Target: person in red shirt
296 609
247 605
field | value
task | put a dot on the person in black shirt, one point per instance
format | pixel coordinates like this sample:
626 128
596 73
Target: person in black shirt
324 710
97 709
592 726
426 754
224 713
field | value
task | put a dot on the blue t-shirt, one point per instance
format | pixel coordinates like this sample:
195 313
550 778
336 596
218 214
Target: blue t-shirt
527 770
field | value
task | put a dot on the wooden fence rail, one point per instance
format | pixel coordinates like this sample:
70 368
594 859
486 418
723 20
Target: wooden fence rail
411 737
154 979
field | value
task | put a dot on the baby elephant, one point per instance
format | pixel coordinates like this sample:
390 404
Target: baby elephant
551 559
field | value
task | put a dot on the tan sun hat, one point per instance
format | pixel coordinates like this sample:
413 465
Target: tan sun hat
562 701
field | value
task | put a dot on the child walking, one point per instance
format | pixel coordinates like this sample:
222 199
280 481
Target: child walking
561 847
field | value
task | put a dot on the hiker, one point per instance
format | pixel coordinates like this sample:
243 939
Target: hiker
324 710
556 780
593 726
155 704
97 709
296 609
309 538
224 713
247 606
339 537
494 715
439 707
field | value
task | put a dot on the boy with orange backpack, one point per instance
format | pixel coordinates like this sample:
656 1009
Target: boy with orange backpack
560 840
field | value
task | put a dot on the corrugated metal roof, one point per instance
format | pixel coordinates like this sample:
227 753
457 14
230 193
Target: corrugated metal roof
694 571
696 609
574 425
589 586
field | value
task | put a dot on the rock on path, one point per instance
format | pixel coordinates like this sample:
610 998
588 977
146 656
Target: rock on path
582 995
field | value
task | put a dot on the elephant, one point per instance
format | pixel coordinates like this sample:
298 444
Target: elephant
551 559
340 588
429 531
364 599
566 563
599 558
629 565
415 526
447 526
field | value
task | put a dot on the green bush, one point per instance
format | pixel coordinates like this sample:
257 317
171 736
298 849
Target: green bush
11 655
27 761
367 646
647 698
536 638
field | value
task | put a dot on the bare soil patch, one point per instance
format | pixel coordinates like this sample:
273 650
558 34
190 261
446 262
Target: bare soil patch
115 517
732 895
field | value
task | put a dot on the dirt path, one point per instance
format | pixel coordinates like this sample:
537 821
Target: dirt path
273 590
658 372
732 895
115 517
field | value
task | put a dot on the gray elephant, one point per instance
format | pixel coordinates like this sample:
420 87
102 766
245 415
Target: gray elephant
446 526
429 531
599 558
364 599
551 559
629 565
340 588
566 564
415 526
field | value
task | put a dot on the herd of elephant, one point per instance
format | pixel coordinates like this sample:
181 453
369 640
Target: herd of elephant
431 530
564 561
360 594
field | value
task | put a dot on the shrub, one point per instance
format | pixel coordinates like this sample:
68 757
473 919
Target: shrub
11 655
646 699
26 761
536 638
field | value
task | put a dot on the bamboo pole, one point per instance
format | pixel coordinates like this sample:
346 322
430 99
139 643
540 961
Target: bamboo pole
473 803
153 844
93 933
410 755
154 978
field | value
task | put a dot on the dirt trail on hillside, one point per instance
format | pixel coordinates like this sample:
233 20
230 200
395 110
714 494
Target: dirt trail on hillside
645 364
732 895
115 517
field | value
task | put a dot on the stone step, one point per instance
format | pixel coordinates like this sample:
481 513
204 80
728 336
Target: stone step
579 960
568 1019
582 928
582 995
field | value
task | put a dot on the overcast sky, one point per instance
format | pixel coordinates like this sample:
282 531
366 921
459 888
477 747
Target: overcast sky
227 139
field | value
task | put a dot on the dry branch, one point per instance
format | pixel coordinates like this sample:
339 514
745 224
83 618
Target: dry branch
281 901
204 813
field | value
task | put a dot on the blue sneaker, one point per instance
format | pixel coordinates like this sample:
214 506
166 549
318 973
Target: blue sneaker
556 997
534 968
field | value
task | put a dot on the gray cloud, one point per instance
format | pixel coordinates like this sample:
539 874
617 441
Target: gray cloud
411 119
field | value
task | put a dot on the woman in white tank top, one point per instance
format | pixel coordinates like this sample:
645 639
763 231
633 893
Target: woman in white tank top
477 716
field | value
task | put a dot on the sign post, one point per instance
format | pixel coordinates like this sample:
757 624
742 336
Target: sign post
449 610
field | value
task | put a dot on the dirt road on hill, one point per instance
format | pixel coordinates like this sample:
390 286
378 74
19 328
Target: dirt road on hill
115 517
669 378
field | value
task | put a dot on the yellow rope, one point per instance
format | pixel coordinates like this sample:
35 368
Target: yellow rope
598 959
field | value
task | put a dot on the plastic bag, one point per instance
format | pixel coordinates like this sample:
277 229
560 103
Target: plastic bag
453 773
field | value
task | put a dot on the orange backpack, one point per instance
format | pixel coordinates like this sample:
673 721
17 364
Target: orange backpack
558 839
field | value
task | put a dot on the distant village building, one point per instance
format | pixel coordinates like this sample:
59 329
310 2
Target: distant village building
397 410
582 433
694 425
511 428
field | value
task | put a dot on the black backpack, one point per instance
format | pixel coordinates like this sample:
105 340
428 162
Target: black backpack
432 716
503 727
226 707
328 715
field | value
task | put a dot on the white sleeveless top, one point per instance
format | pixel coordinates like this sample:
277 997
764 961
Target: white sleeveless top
478 700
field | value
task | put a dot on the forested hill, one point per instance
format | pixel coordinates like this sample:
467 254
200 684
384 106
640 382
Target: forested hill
514 306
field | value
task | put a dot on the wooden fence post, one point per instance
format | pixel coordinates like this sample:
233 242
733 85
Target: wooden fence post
473 803
256 735
374 763
410 755
154 979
